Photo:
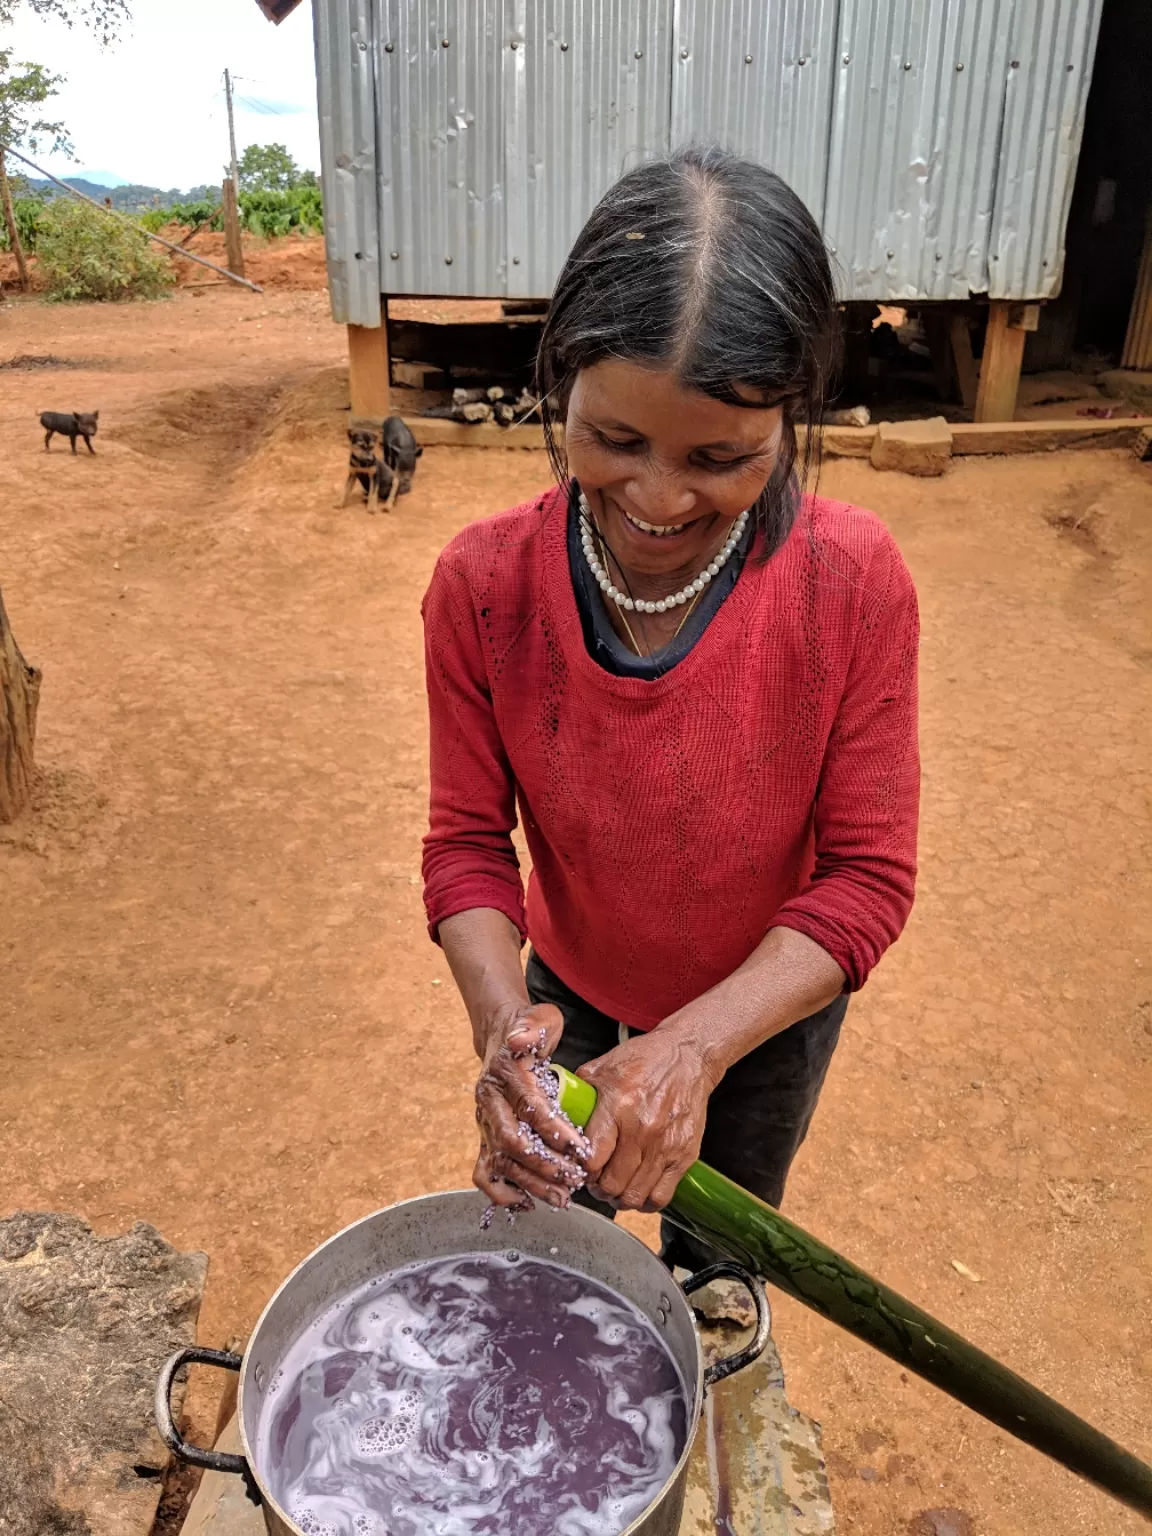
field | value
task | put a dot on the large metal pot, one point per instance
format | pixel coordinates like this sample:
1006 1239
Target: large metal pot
438 1226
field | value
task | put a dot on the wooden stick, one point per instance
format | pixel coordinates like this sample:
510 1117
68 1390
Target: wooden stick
112 213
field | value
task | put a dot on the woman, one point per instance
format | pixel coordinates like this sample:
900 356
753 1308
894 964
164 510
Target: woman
699 687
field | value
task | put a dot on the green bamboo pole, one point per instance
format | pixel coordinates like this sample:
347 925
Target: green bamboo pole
717 1211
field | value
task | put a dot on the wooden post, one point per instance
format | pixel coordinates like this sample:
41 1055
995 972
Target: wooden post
935 323
19 697
368 381
967 374
232 228
1000 365
1138 342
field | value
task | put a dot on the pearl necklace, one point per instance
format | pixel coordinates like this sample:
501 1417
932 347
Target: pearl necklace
674 600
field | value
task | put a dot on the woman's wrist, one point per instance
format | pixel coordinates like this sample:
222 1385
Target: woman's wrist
482 948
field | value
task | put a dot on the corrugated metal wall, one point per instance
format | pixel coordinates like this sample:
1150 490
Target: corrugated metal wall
758 78
346 100
935 140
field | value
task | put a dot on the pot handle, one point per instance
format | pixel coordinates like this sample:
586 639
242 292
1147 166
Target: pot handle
733 1363
197 1456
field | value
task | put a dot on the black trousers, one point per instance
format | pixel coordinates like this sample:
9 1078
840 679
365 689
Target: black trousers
758 1114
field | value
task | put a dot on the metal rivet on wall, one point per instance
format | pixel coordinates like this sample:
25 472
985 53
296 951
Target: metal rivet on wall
515 261
639 54
847 59
447 261
444 42
804 60
1015 64
683 53
891 254
389 47
563 47
395 255
363 47
513 45
747 58
1071 67
959 69
907 63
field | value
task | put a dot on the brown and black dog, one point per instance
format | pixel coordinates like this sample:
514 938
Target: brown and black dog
367 469
70 424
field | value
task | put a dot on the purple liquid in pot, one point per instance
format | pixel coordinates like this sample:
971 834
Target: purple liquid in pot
486 1395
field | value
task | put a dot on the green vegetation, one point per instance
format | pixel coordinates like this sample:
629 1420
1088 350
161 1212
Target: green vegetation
24 88
270 168
86 253
104 17
266 213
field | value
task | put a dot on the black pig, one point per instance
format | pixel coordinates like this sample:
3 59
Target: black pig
70 424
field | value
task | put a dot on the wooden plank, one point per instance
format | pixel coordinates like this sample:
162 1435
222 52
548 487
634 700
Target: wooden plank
967 373
839 442
368 381
1000 365
431 432
1045 436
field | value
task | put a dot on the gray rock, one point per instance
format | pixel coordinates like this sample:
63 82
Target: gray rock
85 1324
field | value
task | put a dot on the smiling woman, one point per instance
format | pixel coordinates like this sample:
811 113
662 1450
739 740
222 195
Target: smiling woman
698 684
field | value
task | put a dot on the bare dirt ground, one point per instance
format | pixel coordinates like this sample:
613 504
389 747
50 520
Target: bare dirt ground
220 1011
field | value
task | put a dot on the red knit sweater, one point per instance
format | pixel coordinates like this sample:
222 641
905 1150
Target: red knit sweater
769 779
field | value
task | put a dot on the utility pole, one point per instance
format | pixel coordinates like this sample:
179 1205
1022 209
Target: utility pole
231 129
231 193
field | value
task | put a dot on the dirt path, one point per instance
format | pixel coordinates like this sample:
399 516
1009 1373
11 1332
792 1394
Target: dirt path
220 1011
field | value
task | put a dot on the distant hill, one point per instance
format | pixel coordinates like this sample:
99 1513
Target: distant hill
131 197
104 178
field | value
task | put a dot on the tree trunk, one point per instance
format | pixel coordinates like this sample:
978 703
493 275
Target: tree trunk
13 232
19 697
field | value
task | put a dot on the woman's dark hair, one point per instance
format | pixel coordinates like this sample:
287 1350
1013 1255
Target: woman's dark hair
711 266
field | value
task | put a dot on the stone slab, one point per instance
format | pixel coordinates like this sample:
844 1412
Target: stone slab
756 1463
843 442
85 1324
913 447
1133 384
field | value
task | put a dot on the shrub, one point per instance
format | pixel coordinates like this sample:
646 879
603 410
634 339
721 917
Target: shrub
27 211
280 213
88 254
198 215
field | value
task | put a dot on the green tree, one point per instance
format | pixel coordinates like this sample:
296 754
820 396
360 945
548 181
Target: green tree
268 168
104 17
24 88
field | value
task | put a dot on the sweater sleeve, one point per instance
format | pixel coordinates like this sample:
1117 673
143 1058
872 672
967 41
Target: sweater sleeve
860 892
469 857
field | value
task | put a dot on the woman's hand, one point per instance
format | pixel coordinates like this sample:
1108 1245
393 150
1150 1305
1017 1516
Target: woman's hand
527 1146
646 1129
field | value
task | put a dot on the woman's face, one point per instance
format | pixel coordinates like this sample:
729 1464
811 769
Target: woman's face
666 469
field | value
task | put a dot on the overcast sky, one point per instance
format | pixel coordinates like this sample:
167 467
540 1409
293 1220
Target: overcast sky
151 108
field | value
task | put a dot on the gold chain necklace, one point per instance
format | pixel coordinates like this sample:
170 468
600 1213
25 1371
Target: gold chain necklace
604 557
